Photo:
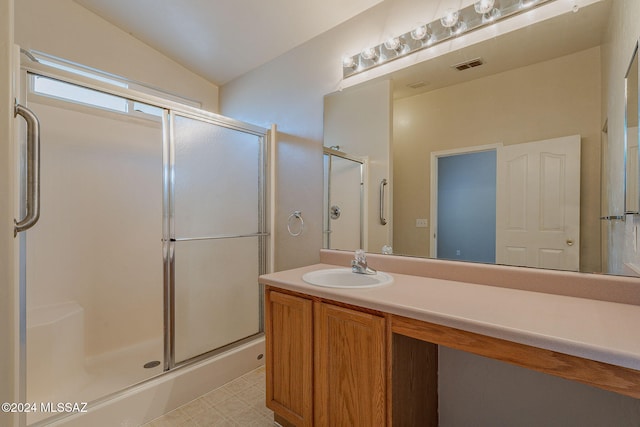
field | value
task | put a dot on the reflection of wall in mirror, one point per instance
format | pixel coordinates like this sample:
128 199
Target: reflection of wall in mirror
359 121
541 101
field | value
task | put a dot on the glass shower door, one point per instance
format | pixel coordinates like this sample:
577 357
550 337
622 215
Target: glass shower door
215 229
93 295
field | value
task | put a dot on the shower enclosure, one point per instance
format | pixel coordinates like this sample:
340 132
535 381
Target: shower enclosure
151 236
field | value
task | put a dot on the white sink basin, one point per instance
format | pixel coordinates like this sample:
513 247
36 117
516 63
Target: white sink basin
345 278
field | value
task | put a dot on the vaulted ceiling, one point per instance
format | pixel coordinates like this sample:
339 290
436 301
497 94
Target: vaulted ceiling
222 39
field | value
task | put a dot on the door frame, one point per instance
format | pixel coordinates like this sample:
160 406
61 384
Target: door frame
433 189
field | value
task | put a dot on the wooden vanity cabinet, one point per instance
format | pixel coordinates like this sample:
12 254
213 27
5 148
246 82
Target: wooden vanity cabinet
289 363
326 364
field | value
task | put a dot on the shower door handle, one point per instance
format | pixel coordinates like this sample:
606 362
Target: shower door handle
383 184
33 170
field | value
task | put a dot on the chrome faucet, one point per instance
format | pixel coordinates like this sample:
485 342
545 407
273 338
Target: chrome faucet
359 264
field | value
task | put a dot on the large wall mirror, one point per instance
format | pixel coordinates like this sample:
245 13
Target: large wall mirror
532 108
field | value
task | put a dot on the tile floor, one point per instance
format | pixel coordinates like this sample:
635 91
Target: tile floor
238 403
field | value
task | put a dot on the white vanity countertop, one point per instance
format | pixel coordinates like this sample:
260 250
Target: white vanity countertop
592 329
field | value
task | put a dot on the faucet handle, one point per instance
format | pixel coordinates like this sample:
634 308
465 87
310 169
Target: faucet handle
361 256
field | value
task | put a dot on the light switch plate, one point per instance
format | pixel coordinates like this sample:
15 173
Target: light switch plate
422 223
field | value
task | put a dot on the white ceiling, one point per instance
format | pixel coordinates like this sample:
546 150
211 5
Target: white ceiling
223 39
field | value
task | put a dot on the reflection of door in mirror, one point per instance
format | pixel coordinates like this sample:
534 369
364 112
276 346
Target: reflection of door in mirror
343 201
538 214
632 192
463 191
516 204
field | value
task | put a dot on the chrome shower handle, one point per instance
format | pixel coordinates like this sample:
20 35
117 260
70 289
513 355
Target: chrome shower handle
383 184
33 170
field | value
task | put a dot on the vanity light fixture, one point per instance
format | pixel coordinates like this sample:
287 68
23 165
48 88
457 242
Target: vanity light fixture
452 24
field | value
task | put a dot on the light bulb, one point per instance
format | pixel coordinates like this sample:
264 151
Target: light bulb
421 32
490 16
458 29
450 18
348 61
394 43
483 6
370 53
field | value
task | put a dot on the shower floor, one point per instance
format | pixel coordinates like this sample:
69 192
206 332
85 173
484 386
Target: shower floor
103 375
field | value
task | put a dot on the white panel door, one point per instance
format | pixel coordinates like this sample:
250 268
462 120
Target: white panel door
538 204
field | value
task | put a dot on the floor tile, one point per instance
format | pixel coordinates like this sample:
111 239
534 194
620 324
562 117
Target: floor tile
239 403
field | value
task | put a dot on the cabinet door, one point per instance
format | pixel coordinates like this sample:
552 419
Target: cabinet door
350 386
288 329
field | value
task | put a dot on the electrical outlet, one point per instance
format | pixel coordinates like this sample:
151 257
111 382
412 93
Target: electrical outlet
422 223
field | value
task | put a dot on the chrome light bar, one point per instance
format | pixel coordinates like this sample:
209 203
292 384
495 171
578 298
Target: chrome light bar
453 24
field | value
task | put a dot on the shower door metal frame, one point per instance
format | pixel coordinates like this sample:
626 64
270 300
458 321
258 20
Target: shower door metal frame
170 239
29 66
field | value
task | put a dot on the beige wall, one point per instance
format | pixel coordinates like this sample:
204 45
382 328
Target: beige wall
298 188
551 99
622 35
359 121
67 30
7 295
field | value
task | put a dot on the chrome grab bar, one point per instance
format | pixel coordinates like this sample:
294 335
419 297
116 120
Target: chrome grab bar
33 170
383 184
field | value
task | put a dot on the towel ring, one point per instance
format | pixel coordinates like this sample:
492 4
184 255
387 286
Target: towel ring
292 217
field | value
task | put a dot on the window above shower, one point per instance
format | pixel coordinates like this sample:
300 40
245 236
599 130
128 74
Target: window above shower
53 83
57 89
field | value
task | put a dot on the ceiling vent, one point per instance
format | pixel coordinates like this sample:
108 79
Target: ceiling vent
468 64
417 85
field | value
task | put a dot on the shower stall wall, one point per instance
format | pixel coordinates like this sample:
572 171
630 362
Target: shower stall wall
151 237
